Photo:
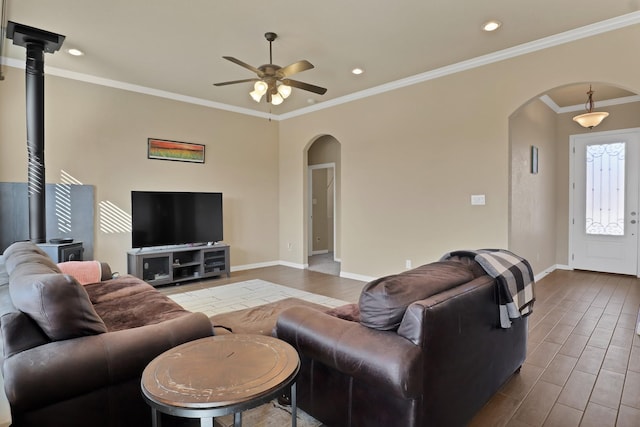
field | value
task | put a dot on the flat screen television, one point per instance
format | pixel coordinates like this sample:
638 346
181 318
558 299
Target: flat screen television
162 218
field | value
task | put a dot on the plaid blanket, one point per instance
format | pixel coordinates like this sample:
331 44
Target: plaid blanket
515 280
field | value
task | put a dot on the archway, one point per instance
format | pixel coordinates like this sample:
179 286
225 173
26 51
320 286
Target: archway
539 203
323 205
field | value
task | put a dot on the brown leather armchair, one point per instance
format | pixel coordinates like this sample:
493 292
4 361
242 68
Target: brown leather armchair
437 364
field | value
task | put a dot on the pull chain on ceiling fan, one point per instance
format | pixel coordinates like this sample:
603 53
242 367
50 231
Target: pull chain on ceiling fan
272 79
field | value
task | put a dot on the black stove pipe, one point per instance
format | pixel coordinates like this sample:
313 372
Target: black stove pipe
37 42
35 142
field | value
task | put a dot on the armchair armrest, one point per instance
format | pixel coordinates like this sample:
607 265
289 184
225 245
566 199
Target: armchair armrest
60 370
376 357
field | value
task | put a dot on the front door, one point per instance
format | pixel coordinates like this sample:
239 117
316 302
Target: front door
604 223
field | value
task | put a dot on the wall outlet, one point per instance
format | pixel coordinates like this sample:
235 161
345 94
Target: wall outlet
407 263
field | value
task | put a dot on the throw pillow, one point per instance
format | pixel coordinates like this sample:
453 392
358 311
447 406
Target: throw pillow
84 272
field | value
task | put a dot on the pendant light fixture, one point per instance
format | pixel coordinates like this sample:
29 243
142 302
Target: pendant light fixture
591 118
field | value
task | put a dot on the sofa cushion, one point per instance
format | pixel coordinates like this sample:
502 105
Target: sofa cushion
127 302
384 301
27 253
57 303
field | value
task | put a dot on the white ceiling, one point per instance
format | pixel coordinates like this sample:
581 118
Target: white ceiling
177 46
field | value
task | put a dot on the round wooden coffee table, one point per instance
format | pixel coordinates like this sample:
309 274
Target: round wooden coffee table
220 375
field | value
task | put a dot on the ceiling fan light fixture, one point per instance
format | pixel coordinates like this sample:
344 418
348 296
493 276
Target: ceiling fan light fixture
284 91
591 118
273 80
257 96
276 99
260 87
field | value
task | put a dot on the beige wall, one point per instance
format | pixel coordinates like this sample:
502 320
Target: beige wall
532 225
99 136
412 158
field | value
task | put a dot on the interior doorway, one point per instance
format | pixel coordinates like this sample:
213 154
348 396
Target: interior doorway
322 209
604 201
323 205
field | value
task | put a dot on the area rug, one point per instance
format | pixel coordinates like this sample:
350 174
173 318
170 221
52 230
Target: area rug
238 297
242 295
271 414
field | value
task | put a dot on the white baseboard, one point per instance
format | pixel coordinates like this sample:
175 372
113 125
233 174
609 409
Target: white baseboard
355 276
344 274
252 266
550 270
293 265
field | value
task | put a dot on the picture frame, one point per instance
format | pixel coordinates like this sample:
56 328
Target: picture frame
164 149
534 159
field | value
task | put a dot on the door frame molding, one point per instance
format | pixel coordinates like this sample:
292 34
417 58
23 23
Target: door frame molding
572 142
310 169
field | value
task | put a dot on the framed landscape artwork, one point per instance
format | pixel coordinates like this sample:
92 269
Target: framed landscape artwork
163 149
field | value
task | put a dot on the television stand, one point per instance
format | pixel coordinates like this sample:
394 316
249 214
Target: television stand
164 266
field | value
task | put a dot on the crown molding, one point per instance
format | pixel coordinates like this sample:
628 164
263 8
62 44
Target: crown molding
116 84
580 107
603 103
501 55
550 103
612 24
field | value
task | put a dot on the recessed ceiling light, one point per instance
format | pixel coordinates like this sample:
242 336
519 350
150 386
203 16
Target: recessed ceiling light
357 71
75 52
491 25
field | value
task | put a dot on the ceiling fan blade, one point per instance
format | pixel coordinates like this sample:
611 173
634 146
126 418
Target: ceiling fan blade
244 64
235 81
296 67
305 86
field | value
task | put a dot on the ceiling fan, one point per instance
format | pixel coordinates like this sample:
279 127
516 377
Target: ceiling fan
274 80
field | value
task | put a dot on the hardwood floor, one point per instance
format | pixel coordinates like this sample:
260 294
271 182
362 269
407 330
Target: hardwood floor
583 356
306 280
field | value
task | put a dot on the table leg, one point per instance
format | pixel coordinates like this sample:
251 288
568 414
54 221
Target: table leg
155 418
206 422
294 406
237 419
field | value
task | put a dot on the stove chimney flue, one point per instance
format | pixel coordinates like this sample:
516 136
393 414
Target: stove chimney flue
37 42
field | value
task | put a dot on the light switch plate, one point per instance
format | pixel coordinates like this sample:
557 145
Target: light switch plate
478 199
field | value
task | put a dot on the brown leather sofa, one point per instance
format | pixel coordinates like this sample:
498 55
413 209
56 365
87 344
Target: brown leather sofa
422 348
73 355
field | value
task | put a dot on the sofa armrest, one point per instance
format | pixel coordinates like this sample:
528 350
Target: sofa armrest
376 357
60 370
